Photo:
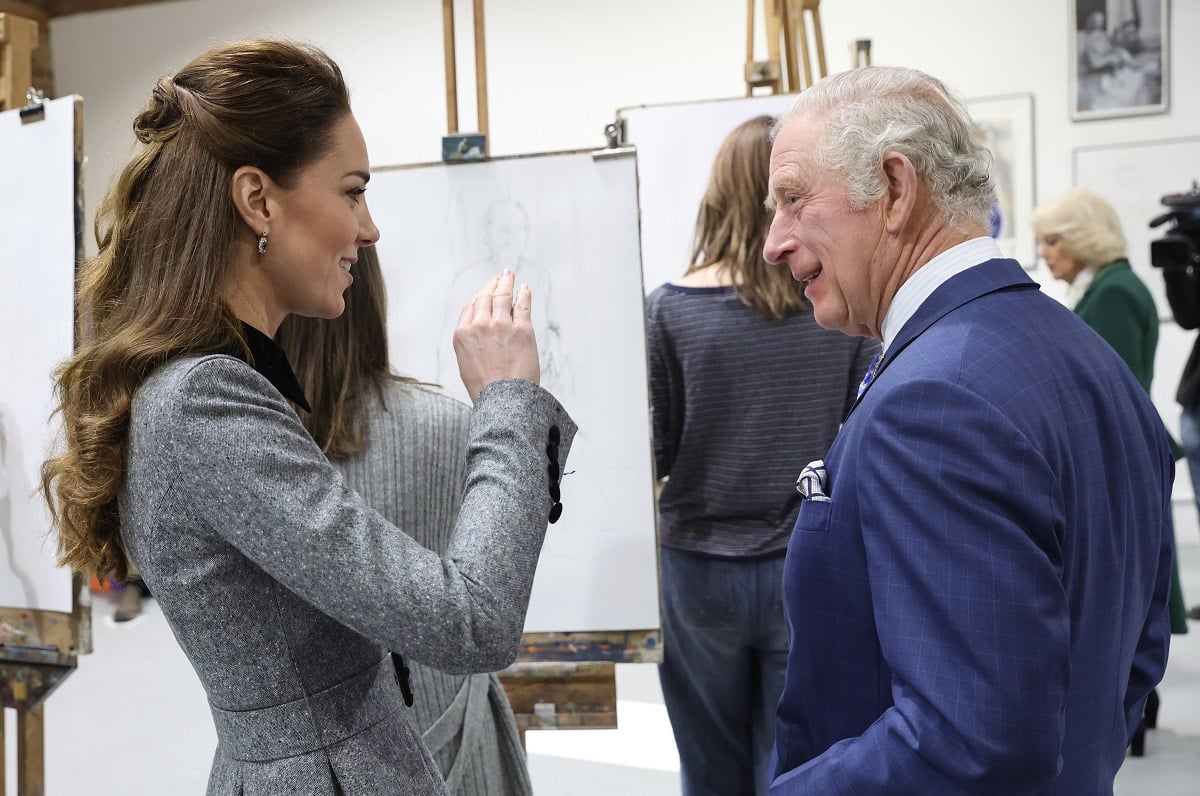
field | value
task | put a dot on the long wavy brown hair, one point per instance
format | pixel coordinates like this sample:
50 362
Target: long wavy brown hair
732 223
339 362
166 230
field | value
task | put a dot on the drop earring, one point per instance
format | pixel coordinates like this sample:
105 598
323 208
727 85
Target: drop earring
262 243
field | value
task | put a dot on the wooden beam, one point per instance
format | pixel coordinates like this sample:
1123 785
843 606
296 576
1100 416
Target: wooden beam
609 646
451 68
481 103
813 6
28 10
62 8
42 74
18 39
561 695
749 42
31 752
799 41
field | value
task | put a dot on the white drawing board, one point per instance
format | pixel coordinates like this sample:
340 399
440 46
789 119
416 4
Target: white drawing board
1133 178
37 263
676 145
567 224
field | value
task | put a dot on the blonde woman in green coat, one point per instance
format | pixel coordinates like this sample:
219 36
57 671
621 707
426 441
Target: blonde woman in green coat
1079 237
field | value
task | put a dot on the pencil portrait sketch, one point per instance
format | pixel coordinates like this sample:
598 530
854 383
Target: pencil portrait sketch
504 239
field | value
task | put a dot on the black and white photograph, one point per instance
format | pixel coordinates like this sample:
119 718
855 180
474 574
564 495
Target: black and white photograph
1119 64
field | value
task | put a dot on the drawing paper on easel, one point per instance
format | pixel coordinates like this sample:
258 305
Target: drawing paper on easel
676 145
37 227
504 234
567 224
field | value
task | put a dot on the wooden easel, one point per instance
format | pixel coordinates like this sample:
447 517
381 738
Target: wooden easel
784 20
569 680
18 40
560 680
452 76
39 649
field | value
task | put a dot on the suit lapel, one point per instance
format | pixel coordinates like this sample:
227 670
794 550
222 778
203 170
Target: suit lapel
958 290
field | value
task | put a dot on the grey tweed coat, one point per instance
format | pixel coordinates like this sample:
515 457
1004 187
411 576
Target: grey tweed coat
285 590
412 472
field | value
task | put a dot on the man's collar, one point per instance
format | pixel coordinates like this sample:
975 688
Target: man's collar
269 360
929 277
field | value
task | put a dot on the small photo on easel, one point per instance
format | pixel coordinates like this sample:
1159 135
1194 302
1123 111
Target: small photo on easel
464 146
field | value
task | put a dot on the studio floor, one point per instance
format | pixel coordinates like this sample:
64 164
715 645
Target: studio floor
133 721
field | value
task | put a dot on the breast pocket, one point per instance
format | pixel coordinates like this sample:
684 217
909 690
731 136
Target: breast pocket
814 516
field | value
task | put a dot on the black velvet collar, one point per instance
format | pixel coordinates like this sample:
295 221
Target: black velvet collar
269 360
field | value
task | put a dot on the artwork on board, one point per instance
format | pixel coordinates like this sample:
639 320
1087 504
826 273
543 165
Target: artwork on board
1006 127
1119 58
40 314
502 233
567 226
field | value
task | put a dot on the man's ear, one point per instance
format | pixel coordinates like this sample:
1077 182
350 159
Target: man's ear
903 187
251 189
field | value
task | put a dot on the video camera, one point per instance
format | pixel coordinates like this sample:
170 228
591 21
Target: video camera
1179 249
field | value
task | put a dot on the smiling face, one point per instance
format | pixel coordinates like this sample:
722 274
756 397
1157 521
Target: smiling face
316 227
826 244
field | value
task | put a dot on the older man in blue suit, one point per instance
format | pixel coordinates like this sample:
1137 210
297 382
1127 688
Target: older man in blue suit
976 587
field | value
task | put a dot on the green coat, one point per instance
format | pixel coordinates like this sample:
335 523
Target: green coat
1120 308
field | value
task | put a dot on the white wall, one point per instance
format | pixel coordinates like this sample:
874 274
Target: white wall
558 70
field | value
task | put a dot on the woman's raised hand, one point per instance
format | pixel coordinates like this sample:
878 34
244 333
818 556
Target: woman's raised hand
494 338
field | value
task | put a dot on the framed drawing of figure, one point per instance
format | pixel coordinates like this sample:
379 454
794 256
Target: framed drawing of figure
1119 58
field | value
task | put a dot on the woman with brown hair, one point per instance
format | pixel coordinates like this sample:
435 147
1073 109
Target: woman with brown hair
183 457
747 389
402 445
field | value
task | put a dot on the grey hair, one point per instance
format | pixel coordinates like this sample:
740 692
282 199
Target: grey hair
1088 226
867 112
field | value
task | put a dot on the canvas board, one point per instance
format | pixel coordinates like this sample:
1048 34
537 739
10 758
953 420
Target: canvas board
568 225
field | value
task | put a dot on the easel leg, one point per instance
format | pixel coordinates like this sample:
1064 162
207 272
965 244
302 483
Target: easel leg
3 753
31 752
818 36
481 105
451 67
749 41
787 18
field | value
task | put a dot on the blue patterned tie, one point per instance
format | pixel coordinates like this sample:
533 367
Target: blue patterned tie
869 376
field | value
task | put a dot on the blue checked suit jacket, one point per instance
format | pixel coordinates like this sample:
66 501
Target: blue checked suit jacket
981 604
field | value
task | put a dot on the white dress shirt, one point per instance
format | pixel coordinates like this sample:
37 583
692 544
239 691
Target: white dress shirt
929 277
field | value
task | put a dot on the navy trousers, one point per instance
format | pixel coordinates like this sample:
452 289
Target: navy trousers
724 657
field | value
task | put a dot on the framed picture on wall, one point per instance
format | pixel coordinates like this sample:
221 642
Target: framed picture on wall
1006 125
1119 58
